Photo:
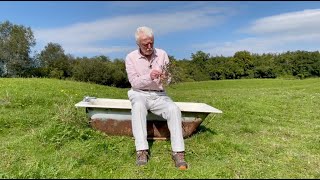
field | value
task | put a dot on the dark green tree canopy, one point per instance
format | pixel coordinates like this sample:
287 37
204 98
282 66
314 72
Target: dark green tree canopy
16 42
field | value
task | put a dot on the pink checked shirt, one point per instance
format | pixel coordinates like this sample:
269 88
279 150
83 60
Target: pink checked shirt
139 68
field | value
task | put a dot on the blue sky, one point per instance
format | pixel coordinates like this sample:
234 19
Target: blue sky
92 28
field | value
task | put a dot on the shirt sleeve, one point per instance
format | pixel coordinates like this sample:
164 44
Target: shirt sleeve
136 80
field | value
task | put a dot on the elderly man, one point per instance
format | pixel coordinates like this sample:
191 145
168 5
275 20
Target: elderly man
145 68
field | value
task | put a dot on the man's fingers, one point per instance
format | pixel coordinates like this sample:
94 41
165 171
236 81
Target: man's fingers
155 74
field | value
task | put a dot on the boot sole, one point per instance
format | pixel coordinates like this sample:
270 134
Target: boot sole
183 168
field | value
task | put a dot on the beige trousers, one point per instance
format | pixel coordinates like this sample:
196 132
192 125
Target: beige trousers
160 104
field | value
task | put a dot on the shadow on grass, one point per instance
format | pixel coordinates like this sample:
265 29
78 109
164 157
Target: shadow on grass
204 129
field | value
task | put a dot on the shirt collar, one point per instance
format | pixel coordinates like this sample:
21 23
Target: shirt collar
153 54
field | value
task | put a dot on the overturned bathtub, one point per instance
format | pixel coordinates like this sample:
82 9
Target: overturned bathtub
113 117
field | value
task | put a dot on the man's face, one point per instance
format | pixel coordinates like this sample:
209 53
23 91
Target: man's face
146 45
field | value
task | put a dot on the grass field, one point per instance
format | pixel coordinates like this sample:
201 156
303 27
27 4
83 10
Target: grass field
269 129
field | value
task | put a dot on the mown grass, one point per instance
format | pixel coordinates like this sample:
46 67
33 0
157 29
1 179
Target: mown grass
269 129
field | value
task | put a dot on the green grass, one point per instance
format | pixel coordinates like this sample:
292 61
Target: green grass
269 129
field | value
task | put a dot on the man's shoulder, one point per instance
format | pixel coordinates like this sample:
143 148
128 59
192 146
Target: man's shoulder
134 52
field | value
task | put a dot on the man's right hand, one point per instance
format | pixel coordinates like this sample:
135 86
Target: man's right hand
155 74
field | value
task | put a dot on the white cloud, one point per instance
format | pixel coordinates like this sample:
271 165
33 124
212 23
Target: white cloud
275 34
294 22
85 36
96 50
272 44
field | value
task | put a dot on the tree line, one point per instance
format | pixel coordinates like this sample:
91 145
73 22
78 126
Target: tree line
16 42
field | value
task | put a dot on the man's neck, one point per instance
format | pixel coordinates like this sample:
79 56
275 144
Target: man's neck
147 56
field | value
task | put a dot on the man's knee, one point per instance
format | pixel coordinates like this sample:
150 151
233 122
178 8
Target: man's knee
139 106
173 108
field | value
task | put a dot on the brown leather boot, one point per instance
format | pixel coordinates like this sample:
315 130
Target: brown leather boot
178 158
142 157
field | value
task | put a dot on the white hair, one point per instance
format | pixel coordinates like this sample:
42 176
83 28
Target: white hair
143 30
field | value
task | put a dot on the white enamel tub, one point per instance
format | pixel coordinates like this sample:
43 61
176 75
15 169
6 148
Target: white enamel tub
113 116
